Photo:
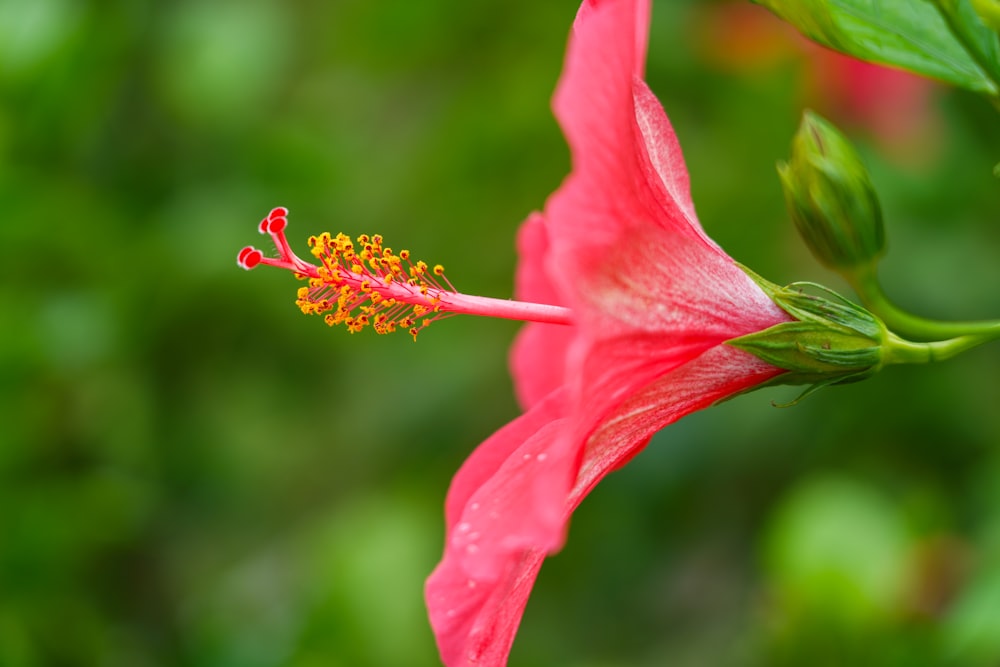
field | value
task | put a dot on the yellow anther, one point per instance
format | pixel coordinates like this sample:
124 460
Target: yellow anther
354 280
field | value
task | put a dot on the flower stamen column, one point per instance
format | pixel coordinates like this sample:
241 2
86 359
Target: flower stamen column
367 284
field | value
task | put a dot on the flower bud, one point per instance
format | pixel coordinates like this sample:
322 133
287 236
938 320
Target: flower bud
830 197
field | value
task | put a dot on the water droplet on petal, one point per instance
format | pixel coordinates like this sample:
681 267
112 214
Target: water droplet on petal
542 457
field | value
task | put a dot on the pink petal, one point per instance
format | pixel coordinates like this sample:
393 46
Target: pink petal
654 305
627 167
665 171
593 105
630 188
475 614
475 623
505 511
649 290
717 374
490 456
538 356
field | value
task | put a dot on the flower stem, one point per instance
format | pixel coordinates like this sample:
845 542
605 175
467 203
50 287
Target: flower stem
900 351
865 283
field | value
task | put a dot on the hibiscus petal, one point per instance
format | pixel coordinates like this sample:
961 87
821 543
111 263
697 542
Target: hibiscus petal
661 283
666 167
520 506
593 103
475 617
475 622
487 460
719 373
649 290
654 305
627 164
505 511
628 178
538 356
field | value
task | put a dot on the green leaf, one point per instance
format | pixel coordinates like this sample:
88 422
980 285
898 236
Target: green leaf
941 39
968 26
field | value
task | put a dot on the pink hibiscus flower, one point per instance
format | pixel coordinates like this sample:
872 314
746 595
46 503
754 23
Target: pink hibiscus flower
637 319
653 303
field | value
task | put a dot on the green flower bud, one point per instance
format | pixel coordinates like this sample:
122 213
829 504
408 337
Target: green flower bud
830 341
830 197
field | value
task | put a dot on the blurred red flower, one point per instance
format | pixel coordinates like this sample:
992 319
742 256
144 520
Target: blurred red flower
895 106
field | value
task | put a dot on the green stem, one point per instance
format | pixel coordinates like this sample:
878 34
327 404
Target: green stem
900 351
865 283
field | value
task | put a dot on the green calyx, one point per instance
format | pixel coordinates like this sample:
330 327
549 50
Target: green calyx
830 197
830 341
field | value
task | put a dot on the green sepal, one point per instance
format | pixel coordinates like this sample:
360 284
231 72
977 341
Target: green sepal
830 309
815 384
835 309
830 340
812 349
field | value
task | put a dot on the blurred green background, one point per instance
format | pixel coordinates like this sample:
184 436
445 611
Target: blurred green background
192 473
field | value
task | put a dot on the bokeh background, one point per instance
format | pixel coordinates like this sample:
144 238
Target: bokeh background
192 473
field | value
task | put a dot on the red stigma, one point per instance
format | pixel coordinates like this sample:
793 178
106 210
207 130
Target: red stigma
276 224
249 257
